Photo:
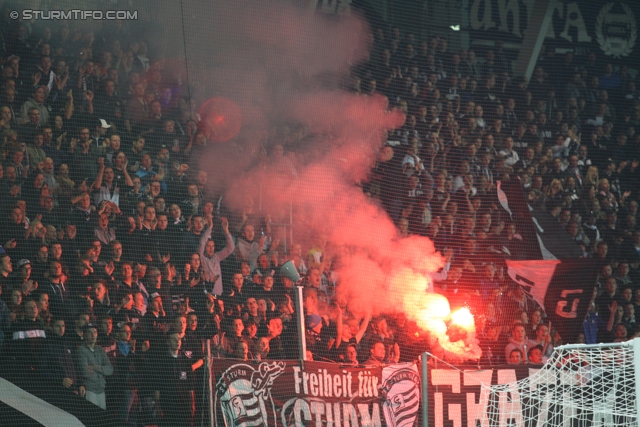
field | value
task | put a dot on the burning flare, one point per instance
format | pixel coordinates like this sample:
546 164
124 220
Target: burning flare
451 334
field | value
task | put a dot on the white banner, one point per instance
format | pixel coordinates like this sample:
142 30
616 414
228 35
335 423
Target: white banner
533 276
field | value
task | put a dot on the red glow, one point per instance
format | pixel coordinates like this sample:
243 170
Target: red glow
222 119
452 334
436 306
463 318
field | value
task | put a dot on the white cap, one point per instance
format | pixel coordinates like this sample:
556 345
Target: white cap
104 123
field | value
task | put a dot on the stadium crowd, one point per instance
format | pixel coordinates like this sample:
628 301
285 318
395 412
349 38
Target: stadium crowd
568 135
119 262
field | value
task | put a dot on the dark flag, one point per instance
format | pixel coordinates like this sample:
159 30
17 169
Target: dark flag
22 403
542 235
562 288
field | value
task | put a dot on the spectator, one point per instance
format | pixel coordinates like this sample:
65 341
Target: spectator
274 335
122 388
378 356
350 356
103 232
101 307
22 278
17 161
609 80
247 249
137 109
28 334
515 357
511 157
493 342
518 341
155 322
535 355
620 333
629 318
44 315
211 259
192 341
233 337
122 307
544 341
35 152
262 349
57 362
129 283
107 187
94 366
84 156
108 104
36 102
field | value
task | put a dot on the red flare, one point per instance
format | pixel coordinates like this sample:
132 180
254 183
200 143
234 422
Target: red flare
222 119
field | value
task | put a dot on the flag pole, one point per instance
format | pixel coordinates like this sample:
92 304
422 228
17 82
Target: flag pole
425 390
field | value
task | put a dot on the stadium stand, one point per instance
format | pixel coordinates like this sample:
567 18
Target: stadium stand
132 236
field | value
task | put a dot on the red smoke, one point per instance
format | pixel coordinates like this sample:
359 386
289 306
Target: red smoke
281 66
222 119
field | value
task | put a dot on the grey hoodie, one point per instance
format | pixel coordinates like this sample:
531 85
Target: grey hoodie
93 380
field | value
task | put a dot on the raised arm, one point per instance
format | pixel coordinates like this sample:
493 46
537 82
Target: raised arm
206 235
89 96
69 107
98 182
363 328
127 178
339 327
228 250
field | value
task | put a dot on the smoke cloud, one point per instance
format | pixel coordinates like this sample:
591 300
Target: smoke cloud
281 65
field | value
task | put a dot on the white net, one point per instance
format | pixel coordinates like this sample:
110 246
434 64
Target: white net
579 386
